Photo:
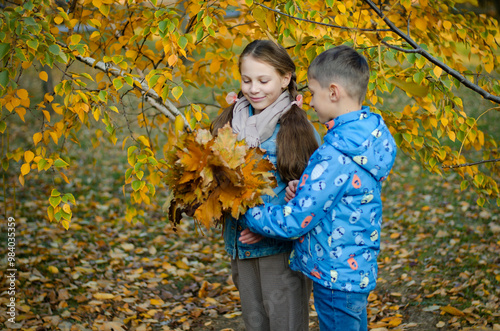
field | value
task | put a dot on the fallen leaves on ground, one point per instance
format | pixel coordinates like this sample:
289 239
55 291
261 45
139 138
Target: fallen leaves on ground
439 265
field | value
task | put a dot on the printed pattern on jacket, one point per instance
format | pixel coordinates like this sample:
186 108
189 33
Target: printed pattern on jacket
336 214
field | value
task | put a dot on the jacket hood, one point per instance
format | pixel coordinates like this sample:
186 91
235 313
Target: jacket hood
365 140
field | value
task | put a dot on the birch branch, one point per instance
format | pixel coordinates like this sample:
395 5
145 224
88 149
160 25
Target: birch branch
165 107
469 164
417 49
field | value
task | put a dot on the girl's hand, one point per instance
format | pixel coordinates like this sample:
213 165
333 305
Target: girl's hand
248 237
291 189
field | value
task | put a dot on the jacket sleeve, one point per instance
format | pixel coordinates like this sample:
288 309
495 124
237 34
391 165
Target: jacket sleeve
321 187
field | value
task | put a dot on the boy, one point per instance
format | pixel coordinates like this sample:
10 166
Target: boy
335 213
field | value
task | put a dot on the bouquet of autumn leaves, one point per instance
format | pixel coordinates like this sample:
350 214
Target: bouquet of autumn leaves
211 177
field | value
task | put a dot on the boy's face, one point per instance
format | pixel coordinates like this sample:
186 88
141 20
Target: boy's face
321 101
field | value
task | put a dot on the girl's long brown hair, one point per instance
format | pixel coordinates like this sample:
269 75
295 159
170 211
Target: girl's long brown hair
296 140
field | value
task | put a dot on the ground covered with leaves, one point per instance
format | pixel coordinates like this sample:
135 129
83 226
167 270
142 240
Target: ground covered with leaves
439 267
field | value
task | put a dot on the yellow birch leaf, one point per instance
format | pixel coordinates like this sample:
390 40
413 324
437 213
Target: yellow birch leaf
22 94
157 302
421 23
198 116
53 270
437 71
452 310
64 177
395 235
58 19
271 21
43 76
47 115
28 156
452 135
65 223
395 322
21 180
144 140
103 296
447 25
25 169
181 265
172 60
67 208
21 112
341 8
179 124
489 67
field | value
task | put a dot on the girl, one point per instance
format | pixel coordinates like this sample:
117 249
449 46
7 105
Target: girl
273 297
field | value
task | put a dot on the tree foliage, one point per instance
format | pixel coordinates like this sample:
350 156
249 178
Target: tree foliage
158 52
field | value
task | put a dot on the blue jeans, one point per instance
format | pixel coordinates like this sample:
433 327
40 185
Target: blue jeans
340 311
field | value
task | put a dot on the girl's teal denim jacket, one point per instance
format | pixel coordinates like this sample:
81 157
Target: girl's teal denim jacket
232 227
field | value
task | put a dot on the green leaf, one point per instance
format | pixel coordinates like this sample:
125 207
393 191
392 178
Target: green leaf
117 83
182 42
59 163
130 81
199 33
33 44
480 202
55 193
54 201
163 25
70 198
41 164
137 185
3 126
207 21
4 78
464 185
398 137
54 49
4 49
407 137
103 95
20 55
177 92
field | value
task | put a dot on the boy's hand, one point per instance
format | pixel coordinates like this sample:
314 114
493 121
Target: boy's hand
291 189
248 237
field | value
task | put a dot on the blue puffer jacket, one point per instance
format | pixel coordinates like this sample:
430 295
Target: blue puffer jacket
336 213
233 227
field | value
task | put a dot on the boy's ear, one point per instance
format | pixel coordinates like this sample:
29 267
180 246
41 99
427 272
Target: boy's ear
334 92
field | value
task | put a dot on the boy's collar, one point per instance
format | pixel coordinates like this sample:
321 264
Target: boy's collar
355 115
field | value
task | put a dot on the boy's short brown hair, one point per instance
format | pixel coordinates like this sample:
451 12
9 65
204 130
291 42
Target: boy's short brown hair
342 65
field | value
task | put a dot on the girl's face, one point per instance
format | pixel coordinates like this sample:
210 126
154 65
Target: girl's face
261 84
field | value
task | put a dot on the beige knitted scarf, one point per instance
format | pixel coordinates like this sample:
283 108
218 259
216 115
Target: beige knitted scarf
258 128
